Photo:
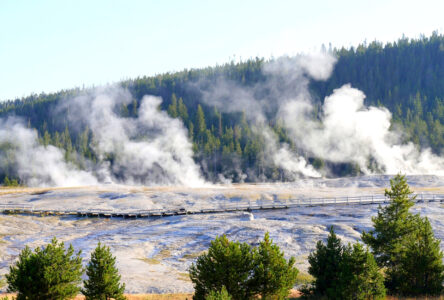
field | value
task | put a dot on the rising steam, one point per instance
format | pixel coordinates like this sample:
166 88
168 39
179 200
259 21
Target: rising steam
36 165
149 149
345 131
152 148
351 132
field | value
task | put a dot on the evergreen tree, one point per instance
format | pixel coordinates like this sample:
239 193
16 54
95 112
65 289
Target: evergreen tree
172 108
343 272
201 126
103 281
51 272
421 269
405 245
226 264
325 267
244 271
360 276
182 110
392 223
273 275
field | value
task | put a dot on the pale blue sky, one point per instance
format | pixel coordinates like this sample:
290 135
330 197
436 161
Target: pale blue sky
48 45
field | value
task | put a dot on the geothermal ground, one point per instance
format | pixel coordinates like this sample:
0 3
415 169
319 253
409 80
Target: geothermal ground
153 254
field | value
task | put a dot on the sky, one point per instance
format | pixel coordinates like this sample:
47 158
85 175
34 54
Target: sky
49 45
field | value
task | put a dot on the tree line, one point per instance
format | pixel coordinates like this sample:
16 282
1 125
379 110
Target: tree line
401 257
406 77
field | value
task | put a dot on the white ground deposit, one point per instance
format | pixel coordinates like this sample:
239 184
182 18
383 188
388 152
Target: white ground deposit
153 254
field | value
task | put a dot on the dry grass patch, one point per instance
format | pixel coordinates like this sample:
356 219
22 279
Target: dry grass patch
192 255
150 261
183 276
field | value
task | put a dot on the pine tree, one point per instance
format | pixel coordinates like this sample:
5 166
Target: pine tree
200 120
360 276
421 269
343 272
172 108
52 272
6 181
392 223
226 264
273 275
103 281
405 245
182 110
325 266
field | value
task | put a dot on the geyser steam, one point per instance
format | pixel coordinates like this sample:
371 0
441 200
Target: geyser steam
348 131
345 130
35 164
151 148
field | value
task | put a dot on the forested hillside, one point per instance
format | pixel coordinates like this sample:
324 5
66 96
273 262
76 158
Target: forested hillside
406 77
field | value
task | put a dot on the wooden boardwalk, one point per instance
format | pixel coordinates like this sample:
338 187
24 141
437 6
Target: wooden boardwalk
246 206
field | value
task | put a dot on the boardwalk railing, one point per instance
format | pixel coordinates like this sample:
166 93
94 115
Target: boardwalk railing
224 206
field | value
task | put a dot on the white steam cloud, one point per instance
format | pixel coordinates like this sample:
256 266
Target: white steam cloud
345 130
286 78
151 148
351 132
35 164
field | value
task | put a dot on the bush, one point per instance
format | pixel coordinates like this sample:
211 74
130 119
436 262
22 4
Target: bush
103 277
244 271
47 273
343 272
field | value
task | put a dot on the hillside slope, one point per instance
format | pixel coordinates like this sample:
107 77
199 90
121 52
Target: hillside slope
406 77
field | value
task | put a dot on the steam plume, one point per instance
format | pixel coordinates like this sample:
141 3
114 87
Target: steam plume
36 165
345 130
350 132
149 149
